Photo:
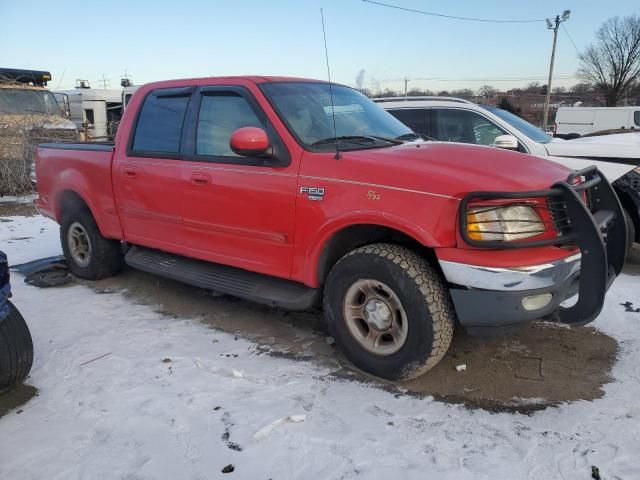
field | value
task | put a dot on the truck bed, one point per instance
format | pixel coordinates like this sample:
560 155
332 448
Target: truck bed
86 146
78 173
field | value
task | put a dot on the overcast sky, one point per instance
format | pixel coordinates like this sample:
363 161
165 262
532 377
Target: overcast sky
161 39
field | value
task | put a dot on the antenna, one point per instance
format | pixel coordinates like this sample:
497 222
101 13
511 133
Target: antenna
333 111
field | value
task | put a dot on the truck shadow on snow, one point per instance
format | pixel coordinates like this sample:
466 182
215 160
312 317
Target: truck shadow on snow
540 366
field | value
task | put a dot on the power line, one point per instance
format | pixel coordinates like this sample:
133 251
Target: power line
468 79
570 39
452 17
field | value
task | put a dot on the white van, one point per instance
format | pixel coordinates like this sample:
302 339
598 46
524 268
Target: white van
572 122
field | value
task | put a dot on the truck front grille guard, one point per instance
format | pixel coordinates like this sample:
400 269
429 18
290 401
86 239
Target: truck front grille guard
594 224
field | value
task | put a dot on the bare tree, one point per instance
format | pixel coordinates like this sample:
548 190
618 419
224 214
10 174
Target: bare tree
612 63
487 91
419 92
463 93
581 89
533 87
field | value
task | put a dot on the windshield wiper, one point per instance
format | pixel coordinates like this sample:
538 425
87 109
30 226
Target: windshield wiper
415 136
395 141
358 139
345 138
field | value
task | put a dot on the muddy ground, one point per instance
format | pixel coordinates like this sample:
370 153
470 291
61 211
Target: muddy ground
539 366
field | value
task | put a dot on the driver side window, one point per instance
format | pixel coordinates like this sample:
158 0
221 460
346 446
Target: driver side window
453 125
220 115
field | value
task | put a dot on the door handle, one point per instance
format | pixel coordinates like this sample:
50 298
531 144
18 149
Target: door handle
130 171
200 179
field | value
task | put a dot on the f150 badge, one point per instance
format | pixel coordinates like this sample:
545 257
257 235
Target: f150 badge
313 193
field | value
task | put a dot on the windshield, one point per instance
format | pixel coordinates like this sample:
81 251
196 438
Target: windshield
23 101
305 108
524 127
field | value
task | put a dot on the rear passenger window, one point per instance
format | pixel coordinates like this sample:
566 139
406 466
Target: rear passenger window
415 119
636 118
159 127
220 115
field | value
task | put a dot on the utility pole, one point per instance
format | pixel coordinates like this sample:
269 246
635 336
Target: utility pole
104 82
406 81
552 26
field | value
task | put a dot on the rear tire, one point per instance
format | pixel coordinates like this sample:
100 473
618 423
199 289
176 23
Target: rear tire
16 349
389 311
89 255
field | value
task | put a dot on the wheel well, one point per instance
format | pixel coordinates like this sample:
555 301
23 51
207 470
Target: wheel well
356 236
70 200
629 205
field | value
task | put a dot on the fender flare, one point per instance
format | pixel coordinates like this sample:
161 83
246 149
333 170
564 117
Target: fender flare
334 225
73 181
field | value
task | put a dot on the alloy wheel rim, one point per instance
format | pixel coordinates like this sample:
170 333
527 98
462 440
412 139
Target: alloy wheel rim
79 244
375 317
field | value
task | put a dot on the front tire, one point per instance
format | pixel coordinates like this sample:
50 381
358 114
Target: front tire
389 311
16 349
89 255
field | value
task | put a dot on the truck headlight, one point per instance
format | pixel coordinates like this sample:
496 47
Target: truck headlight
503 222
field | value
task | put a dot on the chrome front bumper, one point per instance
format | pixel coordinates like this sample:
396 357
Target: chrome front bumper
512 279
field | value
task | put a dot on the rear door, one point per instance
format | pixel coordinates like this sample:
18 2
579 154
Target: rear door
237 210
146 174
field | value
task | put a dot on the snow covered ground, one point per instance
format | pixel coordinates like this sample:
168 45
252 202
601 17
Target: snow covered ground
174 399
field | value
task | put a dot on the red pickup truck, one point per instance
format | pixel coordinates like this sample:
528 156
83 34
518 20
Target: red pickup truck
291 192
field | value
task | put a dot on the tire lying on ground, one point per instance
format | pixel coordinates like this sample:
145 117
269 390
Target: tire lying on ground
389 311
89 255
16 349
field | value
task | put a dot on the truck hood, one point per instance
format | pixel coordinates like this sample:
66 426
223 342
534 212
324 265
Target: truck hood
37 120
454 169
593 148
615 160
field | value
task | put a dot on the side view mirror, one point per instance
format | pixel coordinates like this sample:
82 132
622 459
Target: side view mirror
250 142
508 142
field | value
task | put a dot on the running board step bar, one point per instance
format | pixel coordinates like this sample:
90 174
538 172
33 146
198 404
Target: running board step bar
252 286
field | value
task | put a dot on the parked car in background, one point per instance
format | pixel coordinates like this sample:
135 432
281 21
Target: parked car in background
29 114
572 122
451 119
293 192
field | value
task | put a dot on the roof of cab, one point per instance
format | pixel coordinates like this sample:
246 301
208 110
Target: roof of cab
213 80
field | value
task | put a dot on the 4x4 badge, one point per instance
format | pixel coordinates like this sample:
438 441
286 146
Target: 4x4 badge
313 193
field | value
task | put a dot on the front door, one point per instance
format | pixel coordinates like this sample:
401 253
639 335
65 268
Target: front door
237 211
146 174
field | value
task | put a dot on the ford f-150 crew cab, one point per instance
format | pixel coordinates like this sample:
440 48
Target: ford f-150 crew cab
293 192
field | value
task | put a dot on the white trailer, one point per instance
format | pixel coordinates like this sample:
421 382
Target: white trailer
572 122
95 111
127 93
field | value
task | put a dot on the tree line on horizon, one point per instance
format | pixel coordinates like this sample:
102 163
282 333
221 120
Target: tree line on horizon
609 70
